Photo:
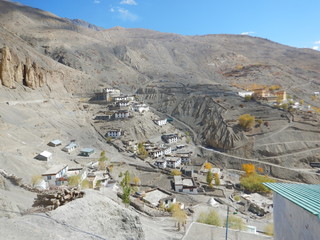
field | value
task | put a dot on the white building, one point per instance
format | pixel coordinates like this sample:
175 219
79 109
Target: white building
44 156
70 147
77 171
161 163
296 211
166 149
54 176
55 143
121 114
156 153
120 98
173 162
170 138
185 185
112 90
158 197
115 133
160 122
245 93
122 103
140 108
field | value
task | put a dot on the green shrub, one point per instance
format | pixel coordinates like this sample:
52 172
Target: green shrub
211 218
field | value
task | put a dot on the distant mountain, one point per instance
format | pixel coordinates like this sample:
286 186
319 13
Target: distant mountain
82 23
130 57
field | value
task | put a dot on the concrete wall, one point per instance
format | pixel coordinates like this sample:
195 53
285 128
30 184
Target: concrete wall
293 222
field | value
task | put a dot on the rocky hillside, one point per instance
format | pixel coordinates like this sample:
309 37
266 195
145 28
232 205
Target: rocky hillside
59 57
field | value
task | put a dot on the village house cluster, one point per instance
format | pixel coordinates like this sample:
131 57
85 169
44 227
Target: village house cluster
58 175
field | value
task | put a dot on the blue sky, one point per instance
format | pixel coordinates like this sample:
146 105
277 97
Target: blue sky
291 22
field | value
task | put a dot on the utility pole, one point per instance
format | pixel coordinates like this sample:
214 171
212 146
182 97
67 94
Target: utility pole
227 222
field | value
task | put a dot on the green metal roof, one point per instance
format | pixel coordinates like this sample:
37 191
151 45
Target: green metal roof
306 196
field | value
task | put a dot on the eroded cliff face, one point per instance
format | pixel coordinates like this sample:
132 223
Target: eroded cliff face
206 118
15 70
201 113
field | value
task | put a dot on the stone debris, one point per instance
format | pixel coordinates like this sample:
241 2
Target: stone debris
53 199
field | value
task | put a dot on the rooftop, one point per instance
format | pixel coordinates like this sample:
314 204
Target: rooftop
46 154
306 196
155 196
56 141
54 170
89 150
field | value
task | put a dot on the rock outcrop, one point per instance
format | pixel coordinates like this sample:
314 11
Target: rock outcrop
13 70
7 68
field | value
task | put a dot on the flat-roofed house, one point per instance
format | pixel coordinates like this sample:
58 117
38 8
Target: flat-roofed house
55 143
54 175
170 138
296 211
161 163
160 122
44 156
158 197
114 133
70 147
120 98
121 114
173 162
156 153
122 103
185 185
142 107
166 149
86 152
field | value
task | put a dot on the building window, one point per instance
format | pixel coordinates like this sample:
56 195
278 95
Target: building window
180 190
191 190
49 177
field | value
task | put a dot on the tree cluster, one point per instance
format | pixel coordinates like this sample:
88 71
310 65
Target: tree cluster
246 121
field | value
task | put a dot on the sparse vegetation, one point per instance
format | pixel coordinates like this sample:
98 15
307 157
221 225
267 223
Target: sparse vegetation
102 161
85 184
247 98
246 121
142 152
237 198
252 181
36 179
180 215
74 181
236 223
175 172
208 166
126 188
209 178
216 179
136 181
211 218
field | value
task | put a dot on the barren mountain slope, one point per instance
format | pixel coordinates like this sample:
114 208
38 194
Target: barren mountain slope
75 58
129 57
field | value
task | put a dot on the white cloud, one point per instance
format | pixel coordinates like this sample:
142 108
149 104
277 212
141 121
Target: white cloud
315 47
317 42
128 2
96 1
247 33
124 14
